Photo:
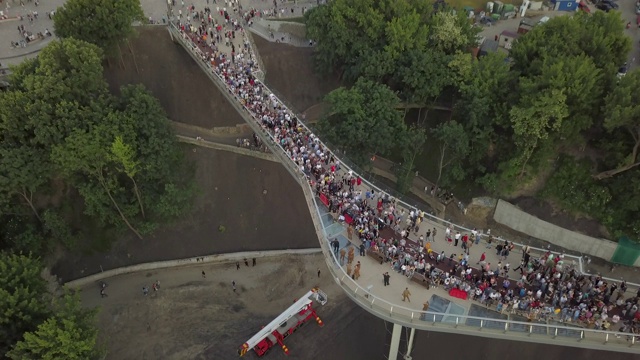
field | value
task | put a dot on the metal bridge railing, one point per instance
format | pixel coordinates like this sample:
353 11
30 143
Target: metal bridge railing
432 321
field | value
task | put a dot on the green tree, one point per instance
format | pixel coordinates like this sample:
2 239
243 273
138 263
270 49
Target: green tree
363 120
483 107
451 32
572 185
61 129
454 147
534 120
163 175
19 234
59 95
579 80
363 38
625 192
412 146
622 122
125 157
86 154
23 297
58 229
423 77
25 171
599 36
69 334
104 23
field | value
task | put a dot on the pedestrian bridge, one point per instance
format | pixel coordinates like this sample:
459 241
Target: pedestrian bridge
444 315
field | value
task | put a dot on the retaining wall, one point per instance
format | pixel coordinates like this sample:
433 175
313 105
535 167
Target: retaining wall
200 260
509 215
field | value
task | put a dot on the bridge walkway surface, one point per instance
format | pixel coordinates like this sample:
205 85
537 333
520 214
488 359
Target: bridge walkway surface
457 316
446 314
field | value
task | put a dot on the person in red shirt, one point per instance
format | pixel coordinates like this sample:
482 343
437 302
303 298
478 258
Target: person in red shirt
483 257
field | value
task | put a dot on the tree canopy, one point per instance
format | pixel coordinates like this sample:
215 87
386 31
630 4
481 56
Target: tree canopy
363 38
555 94
23 298
104 23
363 120
70 333
63 133
35 324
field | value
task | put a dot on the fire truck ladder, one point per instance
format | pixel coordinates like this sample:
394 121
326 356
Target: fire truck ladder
271 330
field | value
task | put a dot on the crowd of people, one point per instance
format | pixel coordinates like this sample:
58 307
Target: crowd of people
544 287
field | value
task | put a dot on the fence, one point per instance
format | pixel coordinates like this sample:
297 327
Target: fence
367 178
627 252
432 321
256 55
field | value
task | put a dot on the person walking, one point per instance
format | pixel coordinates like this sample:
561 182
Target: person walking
254 261
405 295
103 293
145 290
318 272
483 257
233 285
385 278
203 274
237 265
246 262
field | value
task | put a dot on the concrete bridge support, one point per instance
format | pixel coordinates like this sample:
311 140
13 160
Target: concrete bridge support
394 348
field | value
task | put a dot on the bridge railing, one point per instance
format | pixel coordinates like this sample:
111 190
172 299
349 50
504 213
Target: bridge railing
471 325
548 333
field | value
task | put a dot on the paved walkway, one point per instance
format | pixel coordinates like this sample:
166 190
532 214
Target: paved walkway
9 29
371 272
337 230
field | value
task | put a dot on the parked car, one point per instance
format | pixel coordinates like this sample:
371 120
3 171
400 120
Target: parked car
544 20
611 3
582 6
638 7
604 7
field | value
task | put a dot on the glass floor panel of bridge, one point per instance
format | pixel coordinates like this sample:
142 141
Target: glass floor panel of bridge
487 313
525 328
332 228
441 305
565 332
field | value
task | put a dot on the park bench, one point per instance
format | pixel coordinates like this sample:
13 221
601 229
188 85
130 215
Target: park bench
376 255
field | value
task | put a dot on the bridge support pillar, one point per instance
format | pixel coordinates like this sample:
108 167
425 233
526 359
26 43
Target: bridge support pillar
412 334
395 342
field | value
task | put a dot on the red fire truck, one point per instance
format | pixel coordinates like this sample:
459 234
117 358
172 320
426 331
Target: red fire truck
285 324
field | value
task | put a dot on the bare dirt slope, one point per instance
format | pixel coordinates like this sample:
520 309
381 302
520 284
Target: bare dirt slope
231 195
168 71
290 72
202 318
